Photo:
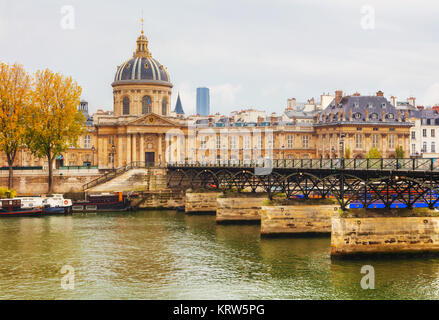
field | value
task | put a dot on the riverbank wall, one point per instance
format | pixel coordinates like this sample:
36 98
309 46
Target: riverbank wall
244 208
297 220
393 232
201 202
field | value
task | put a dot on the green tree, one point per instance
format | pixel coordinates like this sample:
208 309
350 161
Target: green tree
399 152
15 89
56 123
373 153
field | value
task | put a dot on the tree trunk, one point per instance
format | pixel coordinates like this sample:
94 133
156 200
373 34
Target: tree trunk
10 159
11 175
49 162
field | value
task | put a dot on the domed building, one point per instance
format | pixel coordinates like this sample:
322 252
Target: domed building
141 119
142 84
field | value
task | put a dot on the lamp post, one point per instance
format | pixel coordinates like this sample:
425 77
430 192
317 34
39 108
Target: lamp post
113 152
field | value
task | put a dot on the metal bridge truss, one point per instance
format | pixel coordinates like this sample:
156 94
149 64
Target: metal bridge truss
365 186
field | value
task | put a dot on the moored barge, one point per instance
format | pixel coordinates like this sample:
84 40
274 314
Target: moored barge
103 203
12 208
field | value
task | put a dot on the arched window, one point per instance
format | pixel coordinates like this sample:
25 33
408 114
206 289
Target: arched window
126 105
146 105
164 107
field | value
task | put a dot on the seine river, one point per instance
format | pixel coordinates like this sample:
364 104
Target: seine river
169 255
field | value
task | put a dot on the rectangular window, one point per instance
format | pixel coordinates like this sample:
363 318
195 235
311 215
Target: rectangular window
413 148
258 142
391 141
203 142
375 140
433 147
290 141
233 142
87 141
424 146
246 142
432 133
359 141
305 140
218 142
111 140
413 135
424 132
269 138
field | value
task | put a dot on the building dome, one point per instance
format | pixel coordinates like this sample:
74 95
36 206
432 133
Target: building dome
142 68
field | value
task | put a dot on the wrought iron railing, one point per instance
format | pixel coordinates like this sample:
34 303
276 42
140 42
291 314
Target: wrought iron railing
116 172
347 164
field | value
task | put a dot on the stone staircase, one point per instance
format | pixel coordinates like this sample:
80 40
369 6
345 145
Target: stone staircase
133 177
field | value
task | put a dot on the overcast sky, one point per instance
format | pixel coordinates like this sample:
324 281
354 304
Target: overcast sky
250 53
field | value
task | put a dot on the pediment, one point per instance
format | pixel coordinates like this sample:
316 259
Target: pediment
152 119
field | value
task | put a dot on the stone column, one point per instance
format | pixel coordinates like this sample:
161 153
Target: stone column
128 144
100 152
159 149
105 152
142 147
119 151
134 144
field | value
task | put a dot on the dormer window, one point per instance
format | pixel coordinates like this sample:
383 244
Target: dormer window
390 116
383 105
374 116
356 105
370 105
357 115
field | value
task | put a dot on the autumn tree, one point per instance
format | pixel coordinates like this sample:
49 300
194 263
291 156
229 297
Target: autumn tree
56 122
373 153
15 88
399 152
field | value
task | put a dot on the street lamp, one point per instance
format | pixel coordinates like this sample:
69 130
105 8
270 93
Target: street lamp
113 152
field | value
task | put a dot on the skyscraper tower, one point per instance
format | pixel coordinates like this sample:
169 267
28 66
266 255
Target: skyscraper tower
203 101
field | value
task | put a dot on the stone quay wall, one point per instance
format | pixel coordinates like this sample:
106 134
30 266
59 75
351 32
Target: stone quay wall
201 202
245 209
35 182
165 199
384 235
294 220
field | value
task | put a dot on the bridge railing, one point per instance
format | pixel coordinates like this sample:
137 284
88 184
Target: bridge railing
350 164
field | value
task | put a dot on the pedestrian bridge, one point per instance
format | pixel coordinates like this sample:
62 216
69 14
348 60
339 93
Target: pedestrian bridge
370 183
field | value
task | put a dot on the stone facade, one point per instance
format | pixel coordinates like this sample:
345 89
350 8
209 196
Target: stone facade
35 183
160 200
296 219
384 235
201 202
245 209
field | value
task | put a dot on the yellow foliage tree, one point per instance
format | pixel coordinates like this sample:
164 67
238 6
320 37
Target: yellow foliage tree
56 123
15 88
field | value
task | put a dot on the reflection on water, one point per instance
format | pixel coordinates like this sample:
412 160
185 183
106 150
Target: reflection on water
169 255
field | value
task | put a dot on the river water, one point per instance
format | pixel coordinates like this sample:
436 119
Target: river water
170 255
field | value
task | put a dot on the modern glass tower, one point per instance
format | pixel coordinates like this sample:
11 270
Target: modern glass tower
203 101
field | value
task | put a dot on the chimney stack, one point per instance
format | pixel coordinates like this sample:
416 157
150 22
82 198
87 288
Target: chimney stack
380 94
338 96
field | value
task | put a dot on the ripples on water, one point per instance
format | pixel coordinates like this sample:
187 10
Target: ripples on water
169 255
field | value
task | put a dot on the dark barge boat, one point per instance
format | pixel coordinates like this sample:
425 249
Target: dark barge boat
12 208
103 203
